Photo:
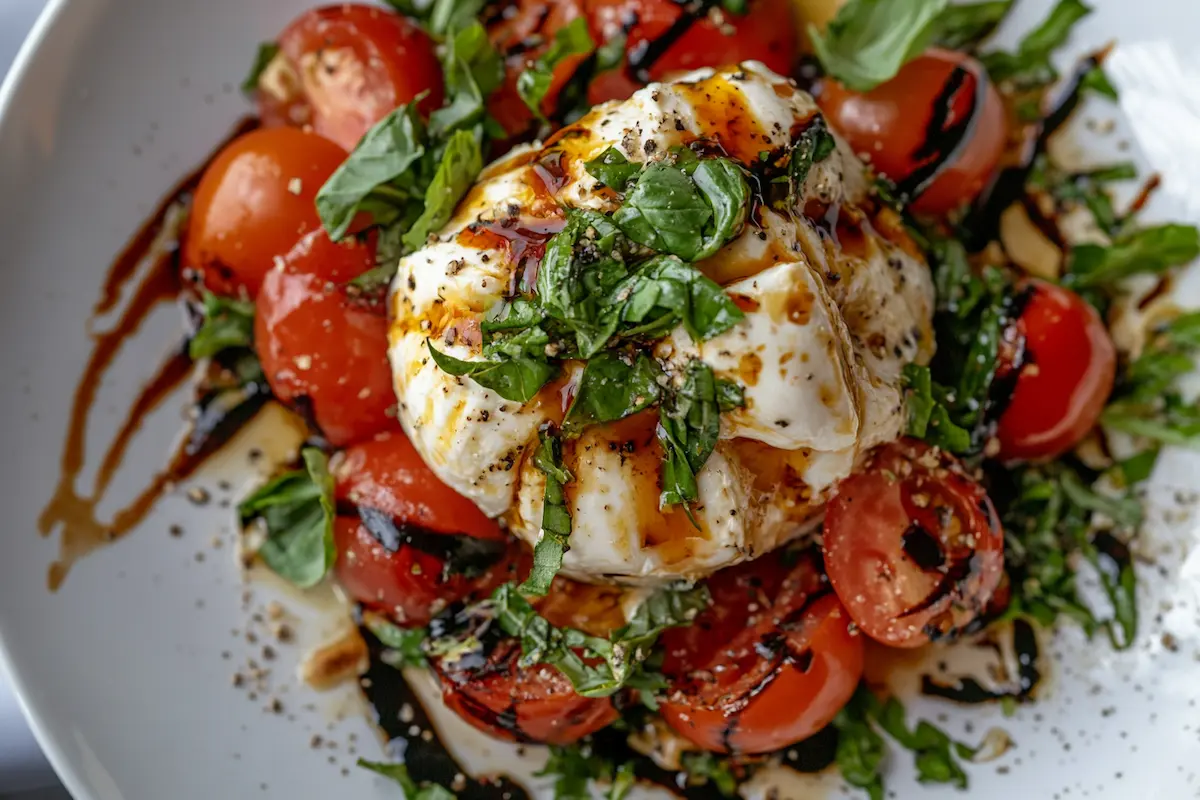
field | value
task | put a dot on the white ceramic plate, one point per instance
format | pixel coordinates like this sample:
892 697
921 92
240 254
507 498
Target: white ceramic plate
126 671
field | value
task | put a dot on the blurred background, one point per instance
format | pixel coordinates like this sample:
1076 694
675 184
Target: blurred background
24 772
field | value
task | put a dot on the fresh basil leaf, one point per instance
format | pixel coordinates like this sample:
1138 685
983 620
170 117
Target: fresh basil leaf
556 518
705 768
228 324
262 58
377 177
664 291
1096 81
860 748
612 388
573 770
666 212
814 144
580 265
1174 423
963 27
689 427
918 399
612 169
473 69
724 187
404 643
513 378
298 511
935 753
869 40
533 84
461 162
730 395
409 787
1149 250
447 17
1030 64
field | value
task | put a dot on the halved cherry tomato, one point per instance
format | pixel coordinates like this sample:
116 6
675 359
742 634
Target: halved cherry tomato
912 545
519 704
408 583
386 472
769 669
1066 377
764 33
320 348
902 126
335 262
343 68
255 200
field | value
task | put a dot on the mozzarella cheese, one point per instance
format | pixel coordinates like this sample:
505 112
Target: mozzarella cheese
836 299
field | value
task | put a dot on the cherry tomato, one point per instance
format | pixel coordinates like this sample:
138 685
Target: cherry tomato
386 472
335 262
764 33
411 584
769 664
319 348
254 201
520 35
912 545
899 125
1065 380
519 704
343 68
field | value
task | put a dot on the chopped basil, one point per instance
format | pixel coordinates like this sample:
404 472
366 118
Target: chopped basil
410 788
689 426
663 292
575 767
441 18
1097 81
705 768
860 750
814 144
227 324
556 518
962 27
690 216
533 84
611 388
1149 250
461 162
1030 64
1088 188
1047 524
513 377
473 69
404 644
618 659
869 40
297 509
262 58
928 417
379 176
612 169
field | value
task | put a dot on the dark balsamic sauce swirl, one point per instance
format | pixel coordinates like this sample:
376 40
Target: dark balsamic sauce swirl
967 690
460 554
945 140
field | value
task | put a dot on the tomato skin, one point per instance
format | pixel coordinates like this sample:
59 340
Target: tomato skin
764 33
387 473
315 343
767 673
515 704
912 545
254 201
349 66
1061 389
409 585
334 262
888 124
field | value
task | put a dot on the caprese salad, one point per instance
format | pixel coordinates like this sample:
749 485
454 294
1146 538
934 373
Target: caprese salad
664 359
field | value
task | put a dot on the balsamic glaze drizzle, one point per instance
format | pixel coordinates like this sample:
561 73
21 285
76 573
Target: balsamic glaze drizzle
969 691
460 554
944 141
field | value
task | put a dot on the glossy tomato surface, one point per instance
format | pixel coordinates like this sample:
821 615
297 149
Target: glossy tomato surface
413 578
387 473
1065 378
335 262
342 68
519 704
326 354
770 663
912 545
937 129
764 33
253 203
